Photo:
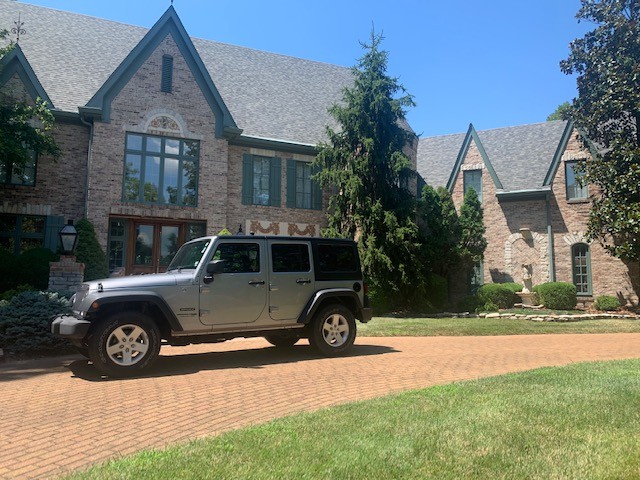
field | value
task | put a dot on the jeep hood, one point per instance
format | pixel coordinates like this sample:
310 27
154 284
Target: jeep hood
142 281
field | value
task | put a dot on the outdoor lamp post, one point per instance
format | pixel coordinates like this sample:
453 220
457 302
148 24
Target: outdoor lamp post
68 238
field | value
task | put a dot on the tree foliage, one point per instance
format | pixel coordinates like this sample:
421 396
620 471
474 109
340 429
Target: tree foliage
441 230
563 112
364 163
607 109
24 129
90 252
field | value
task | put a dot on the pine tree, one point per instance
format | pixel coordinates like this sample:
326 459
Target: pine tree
365 165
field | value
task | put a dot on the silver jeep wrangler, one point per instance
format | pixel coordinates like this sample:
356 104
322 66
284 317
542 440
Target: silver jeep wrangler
219 288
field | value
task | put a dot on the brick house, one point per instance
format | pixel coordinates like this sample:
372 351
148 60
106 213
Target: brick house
535 212
164 137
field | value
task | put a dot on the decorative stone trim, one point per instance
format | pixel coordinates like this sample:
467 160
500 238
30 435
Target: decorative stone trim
264 227
576 237
573 156
25 209
163 121
301 230
541 242
473 166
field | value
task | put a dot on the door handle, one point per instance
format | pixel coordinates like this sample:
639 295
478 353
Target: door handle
256 282
302 281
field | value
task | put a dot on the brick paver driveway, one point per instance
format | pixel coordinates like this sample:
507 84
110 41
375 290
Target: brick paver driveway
59 414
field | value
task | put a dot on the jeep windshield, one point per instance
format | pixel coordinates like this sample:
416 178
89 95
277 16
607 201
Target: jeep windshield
189 256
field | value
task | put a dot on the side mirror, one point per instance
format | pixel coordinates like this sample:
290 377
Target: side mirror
217 266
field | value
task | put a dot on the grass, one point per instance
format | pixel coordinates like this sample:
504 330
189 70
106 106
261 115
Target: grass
413 327
579 421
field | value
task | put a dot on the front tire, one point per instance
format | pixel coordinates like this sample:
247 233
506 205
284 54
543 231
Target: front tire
125 344
333 330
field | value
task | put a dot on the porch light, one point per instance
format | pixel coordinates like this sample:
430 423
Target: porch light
68 238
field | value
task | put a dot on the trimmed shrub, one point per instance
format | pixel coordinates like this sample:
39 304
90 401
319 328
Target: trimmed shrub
498 294
469 304
33 268
90 252
24 322
557 295
607 303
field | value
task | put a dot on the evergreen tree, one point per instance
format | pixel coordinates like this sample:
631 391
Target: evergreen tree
365 165
90 252
607 63
472 242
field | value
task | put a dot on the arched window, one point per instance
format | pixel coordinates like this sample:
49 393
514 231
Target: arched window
581 267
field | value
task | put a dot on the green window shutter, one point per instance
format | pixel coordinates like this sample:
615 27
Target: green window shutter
316 192
275 182
247 179
52 230
291 183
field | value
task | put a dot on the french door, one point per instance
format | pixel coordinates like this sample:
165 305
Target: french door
153 245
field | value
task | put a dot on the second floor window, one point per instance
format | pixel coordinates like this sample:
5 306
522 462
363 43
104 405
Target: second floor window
302 192
473 179
161 170
13 174
261 180
576 190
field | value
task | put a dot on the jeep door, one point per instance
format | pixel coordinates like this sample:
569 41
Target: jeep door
239 295
291 278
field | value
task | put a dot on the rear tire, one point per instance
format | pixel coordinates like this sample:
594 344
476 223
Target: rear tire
125 344
333 330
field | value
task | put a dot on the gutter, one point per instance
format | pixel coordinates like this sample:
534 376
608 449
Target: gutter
552 260
89 152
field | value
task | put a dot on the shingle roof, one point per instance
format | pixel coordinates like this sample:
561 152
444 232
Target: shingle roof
520 156
437 156
269 95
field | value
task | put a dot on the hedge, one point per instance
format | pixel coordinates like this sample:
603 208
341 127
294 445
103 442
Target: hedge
557 295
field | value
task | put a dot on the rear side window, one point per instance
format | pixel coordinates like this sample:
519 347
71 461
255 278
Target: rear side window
290 257
337 258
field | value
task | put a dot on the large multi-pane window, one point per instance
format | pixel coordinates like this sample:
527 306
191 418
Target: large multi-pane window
302 191
581 265
161 170
13 174
473 179
576 189
261 180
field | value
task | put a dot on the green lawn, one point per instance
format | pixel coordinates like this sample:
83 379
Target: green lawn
580 421
391 327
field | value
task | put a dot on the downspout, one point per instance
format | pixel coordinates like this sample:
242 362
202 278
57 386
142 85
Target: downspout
552 261
86 184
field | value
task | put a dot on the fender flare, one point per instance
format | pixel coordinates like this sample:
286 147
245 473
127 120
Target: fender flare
320 296
140 298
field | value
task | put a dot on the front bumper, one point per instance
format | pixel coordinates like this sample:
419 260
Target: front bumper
68 326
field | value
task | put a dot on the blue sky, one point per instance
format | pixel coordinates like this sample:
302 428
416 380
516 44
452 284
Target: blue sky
492 63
